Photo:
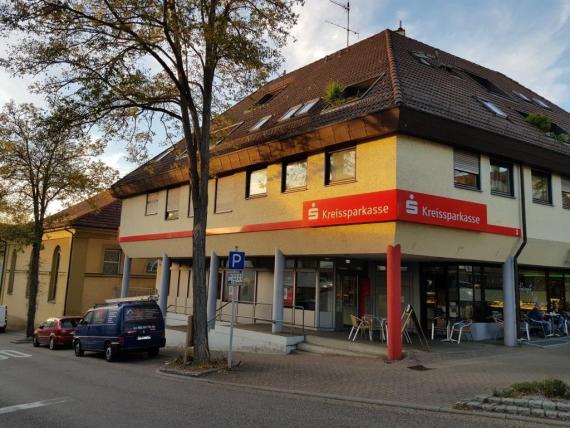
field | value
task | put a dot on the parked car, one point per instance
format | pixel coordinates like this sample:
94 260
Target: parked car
55 332
121 326
3 318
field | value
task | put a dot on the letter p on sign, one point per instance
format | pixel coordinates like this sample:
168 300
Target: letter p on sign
236 260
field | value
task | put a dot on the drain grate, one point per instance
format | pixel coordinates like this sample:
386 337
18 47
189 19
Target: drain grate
419 367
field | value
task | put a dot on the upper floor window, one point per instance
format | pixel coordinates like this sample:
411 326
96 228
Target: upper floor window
13 261
501 178
54 274
151 203
466 170
541 189
111 261
256 183
151 266
294 175
172 203
340 166
566 192
224 194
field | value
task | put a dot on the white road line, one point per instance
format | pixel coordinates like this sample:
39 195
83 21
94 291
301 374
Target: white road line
35 404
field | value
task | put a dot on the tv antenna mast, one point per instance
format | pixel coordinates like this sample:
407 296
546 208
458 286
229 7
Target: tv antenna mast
346 7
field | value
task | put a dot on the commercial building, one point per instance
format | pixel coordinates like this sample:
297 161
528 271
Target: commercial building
80 264
387 142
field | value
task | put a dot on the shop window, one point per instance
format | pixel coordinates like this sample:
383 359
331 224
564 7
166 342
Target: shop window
111 261
555 289
493 281
12 275
151 203
566 193
246 293
172 203
541 187
466 169
532 289
151 266
54 273
305 289
288 288
294 175
501 178
224 194
340 166
567 291
256 183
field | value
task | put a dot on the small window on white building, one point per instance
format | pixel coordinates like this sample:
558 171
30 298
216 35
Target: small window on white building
541 187
566 192
151 203
111 261
466 170
172 203
256 183
224 194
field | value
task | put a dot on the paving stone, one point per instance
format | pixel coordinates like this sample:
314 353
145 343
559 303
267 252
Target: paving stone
509 401
474 404
563 407
552 414
535 404
513 410
501 408
489 407
548 405
523 402
564 416
496 400
523 411
537 412
483 397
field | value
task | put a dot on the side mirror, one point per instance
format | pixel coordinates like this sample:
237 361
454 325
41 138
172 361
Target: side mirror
82 322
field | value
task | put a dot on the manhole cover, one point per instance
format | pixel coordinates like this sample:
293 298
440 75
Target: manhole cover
419 368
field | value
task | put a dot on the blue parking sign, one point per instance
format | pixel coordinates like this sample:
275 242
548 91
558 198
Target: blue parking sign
236 260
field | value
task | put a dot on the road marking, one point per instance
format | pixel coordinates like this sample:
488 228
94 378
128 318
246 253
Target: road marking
28 406
6 353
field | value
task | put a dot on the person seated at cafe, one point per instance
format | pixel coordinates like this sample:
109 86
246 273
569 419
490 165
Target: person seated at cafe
558 307
537 316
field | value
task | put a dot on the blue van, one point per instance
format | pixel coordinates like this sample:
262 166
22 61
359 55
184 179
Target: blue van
121 326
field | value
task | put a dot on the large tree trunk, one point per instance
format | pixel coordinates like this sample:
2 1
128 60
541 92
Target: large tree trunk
33 282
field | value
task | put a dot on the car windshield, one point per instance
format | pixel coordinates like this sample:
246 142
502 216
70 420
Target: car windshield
141 313
69 323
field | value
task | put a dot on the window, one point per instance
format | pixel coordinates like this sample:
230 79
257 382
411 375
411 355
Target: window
264 99
566 193
487 84
256 183
99 316
13 260
289 114
501 178
307 107
151 203
172 203
260 123
221 134
493 108
294 175
151 266
340 166
111 261
466 170
422 57
224 194
541 193
522 96
53 276
305 288
541 103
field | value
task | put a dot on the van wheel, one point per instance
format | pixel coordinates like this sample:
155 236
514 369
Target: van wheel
110 353
51 344
153 352
78 349
35 341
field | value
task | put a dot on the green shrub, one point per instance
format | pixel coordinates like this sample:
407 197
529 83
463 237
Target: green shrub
539 120
550 388
563 138
334 93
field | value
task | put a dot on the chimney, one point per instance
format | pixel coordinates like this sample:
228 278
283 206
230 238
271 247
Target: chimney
401 30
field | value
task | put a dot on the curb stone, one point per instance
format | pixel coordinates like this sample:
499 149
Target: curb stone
386 403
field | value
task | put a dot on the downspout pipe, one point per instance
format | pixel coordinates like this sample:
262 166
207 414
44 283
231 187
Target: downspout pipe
521 248
2 273
68 269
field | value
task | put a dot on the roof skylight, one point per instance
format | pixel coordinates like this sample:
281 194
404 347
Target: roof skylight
260 123
422 57
541 103
522 96
221 134
307 107
493 108
163 154
289 114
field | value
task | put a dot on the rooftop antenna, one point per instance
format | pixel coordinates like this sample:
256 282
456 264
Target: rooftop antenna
346 7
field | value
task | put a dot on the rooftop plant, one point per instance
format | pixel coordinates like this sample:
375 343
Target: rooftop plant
334 93
539 120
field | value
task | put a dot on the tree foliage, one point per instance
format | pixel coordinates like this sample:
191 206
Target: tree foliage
130 64
44 160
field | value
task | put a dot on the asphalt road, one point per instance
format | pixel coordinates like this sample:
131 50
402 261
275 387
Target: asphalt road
57 389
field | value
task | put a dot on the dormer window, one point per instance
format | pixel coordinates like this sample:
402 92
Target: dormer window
493 108
541 103
221 134
291 112
422 57
307 107
487 84
264 99
260 123
522 96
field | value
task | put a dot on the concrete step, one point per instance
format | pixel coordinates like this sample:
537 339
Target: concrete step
317 349
360 347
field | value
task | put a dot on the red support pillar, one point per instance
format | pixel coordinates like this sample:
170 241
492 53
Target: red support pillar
394 303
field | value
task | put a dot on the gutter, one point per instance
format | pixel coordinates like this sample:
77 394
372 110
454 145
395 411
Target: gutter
520 249
2 273
68 269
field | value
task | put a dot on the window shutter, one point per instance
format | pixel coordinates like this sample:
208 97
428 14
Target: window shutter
566 184
466 161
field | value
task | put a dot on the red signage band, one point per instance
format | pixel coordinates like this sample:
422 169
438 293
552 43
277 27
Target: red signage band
374 207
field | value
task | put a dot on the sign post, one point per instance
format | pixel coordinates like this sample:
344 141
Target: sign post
236 262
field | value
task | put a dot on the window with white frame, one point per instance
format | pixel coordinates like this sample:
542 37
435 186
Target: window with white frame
541 187
256 183
501 178
340 166
466 170
172 203
151 203
294 175
224 194
111 261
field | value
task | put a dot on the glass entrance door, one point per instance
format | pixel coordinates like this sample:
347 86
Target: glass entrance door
347 299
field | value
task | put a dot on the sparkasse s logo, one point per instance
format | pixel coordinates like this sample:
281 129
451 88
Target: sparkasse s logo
411 205
313 212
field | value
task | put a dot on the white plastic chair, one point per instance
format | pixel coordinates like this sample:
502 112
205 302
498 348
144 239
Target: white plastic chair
461 327
439 325
500 324
524 328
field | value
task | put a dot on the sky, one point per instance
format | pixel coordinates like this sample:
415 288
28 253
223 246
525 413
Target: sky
527 40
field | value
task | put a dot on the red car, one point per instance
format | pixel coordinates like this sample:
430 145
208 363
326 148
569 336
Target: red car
55 332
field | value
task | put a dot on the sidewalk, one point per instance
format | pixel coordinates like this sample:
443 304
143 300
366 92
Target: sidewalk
455 372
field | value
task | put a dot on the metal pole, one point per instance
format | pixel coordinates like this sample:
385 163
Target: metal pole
126 277
278 292
164 284
232 322
510 325
213 290
394 300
